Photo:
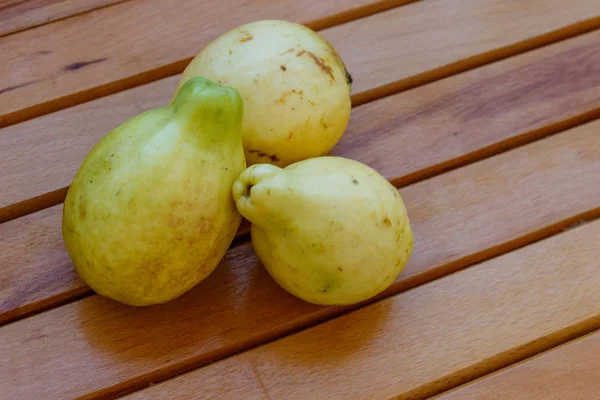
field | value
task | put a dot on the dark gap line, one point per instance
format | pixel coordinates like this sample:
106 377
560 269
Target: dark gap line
508 358
587 331
243 235
175 67
37 25
401 85
165 374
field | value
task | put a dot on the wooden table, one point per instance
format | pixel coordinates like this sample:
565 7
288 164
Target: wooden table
482 112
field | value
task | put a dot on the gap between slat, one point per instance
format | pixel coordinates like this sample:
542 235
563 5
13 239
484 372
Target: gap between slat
47 200
53 18
522 353
477 61
504 167
41 201
533 361
174 68
474 370
243 234
404 179
467 262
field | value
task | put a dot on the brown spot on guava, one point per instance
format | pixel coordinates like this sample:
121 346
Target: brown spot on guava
82 210
355 181
386 221
281 100
150 268
320 63
271 157
246 36
340 268
287 51
230 52
174 220
283 67
204 226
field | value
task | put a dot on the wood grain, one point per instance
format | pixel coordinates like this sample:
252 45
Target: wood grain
406 137
17 15
37 272
94 54
423 341
447 123
480 112
41 156
437 38
458 218
434 38
571 371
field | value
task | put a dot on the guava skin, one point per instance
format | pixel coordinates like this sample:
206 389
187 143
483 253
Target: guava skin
150 212
294 84
329 230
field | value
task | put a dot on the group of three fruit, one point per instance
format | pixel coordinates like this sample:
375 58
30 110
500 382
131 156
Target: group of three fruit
157 202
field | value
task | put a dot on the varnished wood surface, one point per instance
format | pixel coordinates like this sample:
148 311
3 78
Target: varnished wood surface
571 371
446 122
436 38
506 244
425 340
17 15
470 214
468 116
101 52
407 136
110 57
36 269
42 155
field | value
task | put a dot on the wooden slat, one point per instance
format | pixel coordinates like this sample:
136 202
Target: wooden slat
468 116
436 38
42 155
37 272
406 136
433 38
458 218
17 15
134 42
499 105
415 344
571 371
